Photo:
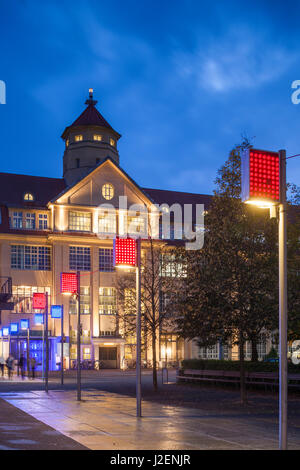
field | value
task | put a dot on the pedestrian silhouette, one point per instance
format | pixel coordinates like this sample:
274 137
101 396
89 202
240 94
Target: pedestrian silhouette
22 365
33 366
2 364
10 365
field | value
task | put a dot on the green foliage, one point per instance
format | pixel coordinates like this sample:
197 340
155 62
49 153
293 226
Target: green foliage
211 364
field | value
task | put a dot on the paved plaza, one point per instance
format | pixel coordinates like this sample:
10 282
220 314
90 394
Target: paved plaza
105 420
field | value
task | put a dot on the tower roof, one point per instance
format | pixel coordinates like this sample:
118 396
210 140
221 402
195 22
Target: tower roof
90 117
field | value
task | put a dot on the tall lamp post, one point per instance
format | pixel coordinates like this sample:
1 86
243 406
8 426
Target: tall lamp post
264 185
127 254
40 301
70 285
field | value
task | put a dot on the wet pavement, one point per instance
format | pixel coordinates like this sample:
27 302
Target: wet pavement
105 420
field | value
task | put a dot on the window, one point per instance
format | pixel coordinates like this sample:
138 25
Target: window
28 197
171 268
107 223
136 224
129 301
106 261
78 138
43 221
22 298
30 221
108 191
80 221
112 142
163 300
85 302
36 258
17 220
98 137
107 301
209 352
67 143
77 162
80 258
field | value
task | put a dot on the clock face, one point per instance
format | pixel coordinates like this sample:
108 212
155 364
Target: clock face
108 191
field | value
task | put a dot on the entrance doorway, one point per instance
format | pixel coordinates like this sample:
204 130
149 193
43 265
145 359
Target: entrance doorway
108 357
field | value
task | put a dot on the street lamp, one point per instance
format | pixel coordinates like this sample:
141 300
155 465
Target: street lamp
40 301
127 254
70 285
264 185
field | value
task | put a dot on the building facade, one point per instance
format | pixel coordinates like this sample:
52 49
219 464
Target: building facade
54 225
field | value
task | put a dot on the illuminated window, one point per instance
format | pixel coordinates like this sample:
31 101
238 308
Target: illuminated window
136 224
129 301
107 223
30 221
28 197
97 137
107 301
36 258
112 142
81 221
80 258
78 138
169 267
86 354
67 143
22 297
108 191
85 302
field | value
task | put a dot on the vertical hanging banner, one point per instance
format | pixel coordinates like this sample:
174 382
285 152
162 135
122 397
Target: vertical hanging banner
39 301
260 177
125 252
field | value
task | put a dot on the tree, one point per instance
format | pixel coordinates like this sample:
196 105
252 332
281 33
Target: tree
229 293
159 280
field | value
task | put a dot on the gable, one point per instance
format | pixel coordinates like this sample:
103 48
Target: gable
88 191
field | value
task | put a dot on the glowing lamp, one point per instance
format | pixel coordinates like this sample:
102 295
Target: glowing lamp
5 331
24 324
56 311
14 328
39 301
68 283
260 177
125 252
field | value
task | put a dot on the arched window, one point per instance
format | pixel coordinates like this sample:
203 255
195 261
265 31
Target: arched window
28 197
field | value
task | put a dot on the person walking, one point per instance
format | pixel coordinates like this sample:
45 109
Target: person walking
22 365
10 365
33 366
2 364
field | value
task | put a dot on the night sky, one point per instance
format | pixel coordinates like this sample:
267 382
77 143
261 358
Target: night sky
180 80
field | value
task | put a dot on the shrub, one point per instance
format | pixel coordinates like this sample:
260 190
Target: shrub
215 364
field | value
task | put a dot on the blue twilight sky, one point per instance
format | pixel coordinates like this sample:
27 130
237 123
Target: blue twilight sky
181 80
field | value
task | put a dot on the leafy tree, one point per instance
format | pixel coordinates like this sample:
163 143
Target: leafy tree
159 280
230 292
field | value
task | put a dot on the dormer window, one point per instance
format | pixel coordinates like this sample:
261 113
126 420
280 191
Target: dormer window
67 143
78 138
112 142
98 137
28 197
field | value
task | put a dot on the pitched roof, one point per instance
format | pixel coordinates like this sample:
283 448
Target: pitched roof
90 117
13 187
161 196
